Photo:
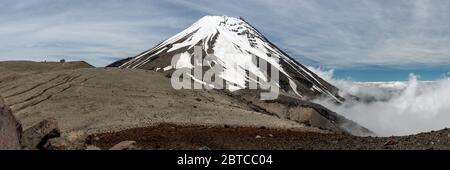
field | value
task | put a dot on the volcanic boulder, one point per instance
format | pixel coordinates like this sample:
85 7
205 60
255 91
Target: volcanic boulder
10 129
37 136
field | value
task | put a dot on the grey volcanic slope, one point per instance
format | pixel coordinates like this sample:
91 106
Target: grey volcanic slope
234 41
11 70
111 99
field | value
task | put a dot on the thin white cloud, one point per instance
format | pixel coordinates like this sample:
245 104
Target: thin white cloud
81 33
335 34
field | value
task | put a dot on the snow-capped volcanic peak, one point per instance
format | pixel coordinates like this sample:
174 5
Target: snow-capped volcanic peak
235 43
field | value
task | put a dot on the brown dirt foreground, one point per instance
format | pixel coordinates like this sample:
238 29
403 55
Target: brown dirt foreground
168 137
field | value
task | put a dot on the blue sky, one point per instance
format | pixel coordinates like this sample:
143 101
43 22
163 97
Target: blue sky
368 40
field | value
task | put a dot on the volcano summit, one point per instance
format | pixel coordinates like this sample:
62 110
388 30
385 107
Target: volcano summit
239 48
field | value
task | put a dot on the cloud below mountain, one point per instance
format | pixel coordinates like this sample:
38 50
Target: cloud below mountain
394 108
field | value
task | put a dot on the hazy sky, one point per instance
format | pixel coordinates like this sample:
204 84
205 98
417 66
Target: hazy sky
344 34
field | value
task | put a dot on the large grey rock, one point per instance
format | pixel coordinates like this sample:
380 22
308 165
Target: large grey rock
70 141
10 129
37 136
125 145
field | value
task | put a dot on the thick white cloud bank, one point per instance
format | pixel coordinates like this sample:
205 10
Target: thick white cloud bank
394 108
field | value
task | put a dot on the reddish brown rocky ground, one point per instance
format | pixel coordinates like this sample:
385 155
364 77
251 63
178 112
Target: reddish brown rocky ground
217 138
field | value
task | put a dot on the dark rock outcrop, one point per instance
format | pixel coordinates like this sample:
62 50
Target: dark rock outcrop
10 129
119 62
37 136
304 112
